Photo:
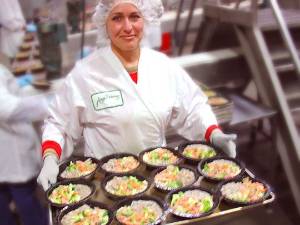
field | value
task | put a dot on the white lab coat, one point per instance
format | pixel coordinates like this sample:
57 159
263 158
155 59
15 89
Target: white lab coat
100 101
13 22
20 151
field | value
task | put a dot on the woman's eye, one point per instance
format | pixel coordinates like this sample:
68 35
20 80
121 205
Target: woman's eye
135 17
117 18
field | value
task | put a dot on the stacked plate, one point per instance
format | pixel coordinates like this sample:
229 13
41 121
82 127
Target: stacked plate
221 106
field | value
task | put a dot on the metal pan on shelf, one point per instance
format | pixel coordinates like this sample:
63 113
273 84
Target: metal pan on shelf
218 101
20 70
41 84
22 56
28 37
37 68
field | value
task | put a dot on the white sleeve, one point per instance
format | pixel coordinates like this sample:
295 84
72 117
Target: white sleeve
30 109
15 108
8 102
63 125
11 15
191 114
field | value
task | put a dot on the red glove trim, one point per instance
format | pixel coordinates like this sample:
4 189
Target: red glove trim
53 145
208 132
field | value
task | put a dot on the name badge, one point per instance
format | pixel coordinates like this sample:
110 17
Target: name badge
108 99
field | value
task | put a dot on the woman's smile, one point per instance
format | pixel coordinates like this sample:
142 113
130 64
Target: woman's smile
128 37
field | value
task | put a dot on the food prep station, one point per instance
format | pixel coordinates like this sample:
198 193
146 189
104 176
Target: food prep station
235 110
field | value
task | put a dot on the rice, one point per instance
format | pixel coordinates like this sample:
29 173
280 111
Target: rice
198 151
191 203
160 157
121 165
245 191
172 177
125 186
79 168
221 169
149 210
67 194
86 215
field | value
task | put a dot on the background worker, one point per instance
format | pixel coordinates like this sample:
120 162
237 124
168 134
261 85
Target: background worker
20 160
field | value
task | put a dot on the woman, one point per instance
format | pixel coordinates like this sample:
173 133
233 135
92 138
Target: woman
123 97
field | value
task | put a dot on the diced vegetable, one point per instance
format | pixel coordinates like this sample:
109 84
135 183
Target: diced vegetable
194 202
160 157
121 165
145 215
79 168
86 215
221 169
199 151
246 191
126 185
173 177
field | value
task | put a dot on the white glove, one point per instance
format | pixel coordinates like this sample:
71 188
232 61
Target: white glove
49 172
224 142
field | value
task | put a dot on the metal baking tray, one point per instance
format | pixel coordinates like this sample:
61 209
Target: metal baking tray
223 209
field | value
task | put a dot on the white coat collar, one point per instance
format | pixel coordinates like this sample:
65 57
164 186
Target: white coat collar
118 66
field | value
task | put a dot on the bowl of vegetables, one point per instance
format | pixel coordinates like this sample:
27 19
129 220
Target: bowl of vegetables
244 190
195 151
220 168
145 210
174 176
119 186
79 167
70 192
90 212
157 157
192 202
119 163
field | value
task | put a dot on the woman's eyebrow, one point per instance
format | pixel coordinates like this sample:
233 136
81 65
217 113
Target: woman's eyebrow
122 13
117 14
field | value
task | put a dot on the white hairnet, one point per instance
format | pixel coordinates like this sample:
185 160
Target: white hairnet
151 11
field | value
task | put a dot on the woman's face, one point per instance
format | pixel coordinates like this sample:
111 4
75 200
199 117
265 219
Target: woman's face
125 27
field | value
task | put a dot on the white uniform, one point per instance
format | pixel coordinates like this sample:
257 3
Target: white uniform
20 158
13 22
100 101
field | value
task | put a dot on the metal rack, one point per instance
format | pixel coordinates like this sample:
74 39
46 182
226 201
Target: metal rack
250 24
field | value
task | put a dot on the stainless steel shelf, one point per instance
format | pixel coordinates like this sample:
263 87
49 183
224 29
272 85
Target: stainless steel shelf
245 110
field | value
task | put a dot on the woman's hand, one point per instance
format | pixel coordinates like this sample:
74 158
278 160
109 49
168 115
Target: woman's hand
224 142
49 172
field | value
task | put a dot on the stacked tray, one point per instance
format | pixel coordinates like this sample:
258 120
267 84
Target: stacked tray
151 168
28 60
221 105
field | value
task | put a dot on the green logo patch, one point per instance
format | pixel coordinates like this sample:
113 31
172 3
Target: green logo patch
108 99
